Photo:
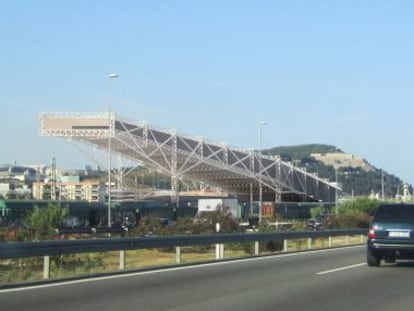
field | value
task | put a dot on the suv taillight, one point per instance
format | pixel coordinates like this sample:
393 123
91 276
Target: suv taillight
372 234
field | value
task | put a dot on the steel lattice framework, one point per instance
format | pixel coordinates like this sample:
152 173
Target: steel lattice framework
236 171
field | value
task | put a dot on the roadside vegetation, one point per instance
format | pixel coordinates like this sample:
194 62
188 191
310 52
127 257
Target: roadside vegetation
41 224
349 214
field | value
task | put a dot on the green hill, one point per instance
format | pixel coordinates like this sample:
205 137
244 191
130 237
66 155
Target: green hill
356 175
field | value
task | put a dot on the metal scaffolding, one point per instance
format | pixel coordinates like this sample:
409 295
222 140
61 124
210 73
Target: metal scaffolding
236 171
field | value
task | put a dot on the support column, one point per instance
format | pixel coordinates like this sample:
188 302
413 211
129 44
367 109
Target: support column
175 189
175 198
278 196
251 167
251 199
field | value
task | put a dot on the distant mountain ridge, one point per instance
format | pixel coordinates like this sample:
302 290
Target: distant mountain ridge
356 175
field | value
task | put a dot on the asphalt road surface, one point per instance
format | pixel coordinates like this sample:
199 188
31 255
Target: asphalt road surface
331 280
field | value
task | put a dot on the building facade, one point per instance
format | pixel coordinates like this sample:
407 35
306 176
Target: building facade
91 191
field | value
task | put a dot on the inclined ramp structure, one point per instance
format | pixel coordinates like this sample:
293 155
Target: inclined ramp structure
239 172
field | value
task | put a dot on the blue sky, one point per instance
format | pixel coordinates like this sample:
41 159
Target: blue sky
331 72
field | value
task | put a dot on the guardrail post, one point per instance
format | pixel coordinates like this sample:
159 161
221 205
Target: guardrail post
362 238
221 251
218 255
256 247
46 267
330 241
122 260
309 243
178 254
285 245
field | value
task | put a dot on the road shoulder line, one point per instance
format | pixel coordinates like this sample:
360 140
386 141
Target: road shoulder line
341 268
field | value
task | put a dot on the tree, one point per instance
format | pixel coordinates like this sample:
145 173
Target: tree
354 214
43 222
317 211
360 205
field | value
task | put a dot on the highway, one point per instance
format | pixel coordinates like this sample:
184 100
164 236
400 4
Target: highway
336 279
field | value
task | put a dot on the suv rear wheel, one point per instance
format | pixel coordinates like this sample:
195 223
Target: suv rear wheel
372 259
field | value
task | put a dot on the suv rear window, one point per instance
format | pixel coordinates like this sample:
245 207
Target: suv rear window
395 213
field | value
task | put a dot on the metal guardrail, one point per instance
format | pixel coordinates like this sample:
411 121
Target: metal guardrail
50 248
92 230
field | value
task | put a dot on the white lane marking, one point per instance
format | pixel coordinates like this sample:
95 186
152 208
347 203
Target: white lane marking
342 268
119 276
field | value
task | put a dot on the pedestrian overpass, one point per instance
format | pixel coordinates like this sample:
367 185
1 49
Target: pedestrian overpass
239 172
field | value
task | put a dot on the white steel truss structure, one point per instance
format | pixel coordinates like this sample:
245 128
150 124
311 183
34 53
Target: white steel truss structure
236 171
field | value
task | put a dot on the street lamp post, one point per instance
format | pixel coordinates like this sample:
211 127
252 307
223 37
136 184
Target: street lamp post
336 182
261 125
382 182
336 191
111 77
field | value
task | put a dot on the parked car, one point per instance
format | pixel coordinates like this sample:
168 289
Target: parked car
391 234
320 222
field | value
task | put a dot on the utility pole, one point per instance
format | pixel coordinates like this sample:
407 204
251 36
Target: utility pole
110 129
261 124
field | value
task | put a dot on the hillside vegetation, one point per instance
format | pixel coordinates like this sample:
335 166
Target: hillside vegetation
359 180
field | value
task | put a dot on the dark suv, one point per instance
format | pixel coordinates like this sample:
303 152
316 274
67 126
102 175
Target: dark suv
391 235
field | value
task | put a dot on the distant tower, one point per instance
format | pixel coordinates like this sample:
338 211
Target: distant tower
53 179
406 193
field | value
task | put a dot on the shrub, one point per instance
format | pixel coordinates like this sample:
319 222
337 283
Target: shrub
43 222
